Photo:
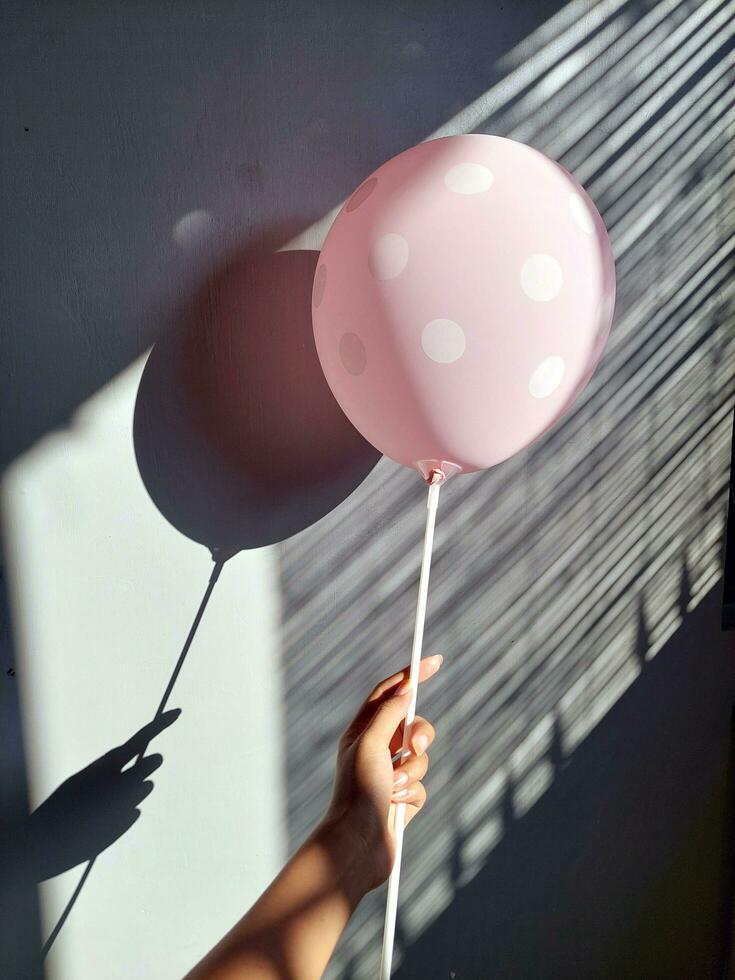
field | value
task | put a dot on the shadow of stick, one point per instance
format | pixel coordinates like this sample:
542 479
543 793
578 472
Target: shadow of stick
218 566
213 392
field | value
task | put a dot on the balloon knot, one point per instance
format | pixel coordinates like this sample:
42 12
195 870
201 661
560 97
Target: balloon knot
436 476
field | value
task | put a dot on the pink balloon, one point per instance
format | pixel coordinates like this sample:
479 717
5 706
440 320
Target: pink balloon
462 300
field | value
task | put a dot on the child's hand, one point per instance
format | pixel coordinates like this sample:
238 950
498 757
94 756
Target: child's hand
367 782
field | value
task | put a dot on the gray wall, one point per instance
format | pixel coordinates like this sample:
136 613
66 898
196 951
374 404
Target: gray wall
156 157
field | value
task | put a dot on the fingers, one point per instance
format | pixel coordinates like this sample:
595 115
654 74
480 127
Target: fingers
427 668
414 794
409 774
415 804
145 789
387 718
422 735
407 777
134 783
146 766
387 688
141 738
137 743
119 824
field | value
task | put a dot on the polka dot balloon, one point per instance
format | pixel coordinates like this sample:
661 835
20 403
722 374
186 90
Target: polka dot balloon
462 300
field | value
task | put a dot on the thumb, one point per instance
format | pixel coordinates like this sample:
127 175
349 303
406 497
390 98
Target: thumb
387 718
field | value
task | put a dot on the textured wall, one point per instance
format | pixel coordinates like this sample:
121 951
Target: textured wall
157 156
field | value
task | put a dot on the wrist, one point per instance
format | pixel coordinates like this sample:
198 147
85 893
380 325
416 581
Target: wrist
357 856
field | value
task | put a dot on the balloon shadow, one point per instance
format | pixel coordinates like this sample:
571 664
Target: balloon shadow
238 438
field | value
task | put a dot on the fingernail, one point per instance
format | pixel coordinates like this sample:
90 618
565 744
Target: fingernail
438 660
400 779
404 688
420 743
400 794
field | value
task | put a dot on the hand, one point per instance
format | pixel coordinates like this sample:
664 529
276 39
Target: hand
367 784
294 926
90 810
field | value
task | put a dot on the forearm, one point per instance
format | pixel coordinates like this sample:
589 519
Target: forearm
294 926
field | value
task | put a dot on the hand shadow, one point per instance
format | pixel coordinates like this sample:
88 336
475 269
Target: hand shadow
94 807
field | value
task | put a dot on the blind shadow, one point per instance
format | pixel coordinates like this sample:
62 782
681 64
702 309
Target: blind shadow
569 878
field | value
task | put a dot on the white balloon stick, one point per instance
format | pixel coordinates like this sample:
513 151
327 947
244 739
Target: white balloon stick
399 810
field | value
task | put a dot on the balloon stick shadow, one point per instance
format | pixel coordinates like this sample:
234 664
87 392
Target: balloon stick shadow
240 443
60 837
238 438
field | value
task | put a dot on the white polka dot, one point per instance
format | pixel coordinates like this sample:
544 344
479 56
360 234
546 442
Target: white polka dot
581 214
352 353
443 341
193 228
388 256
541 277
547 377
469 178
